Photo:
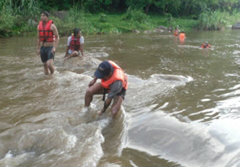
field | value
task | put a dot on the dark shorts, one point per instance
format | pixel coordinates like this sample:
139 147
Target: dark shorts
46 53
122 93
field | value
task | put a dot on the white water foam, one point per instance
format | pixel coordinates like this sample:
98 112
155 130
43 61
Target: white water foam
189 144
14 161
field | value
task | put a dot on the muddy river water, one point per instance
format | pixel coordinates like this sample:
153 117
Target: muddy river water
181 109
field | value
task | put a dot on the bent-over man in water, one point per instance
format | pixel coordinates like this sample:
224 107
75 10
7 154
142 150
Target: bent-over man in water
113 81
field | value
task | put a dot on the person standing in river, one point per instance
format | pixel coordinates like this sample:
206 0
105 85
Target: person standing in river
47 42
182 37
113 81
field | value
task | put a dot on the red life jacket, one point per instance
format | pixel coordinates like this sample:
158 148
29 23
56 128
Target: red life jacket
45 32
118 75
75 43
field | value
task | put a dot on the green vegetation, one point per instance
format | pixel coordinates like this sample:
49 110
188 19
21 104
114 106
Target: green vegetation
18 16
118 23
117 16
213 20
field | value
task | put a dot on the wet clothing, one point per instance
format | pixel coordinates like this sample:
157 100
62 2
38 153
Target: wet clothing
46 53
116 89
81 41
118 74
182 37
116 84
75 43
44 32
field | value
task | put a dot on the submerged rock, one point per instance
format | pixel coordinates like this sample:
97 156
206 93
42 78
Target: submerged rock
162 28
159 29
236 26
136 31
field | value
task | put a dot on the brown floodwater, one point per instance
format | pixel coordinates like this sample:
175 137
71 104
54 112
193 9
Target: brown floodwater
181 109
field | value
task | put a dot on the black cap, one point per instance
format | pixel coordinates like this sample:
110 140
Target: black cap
104 69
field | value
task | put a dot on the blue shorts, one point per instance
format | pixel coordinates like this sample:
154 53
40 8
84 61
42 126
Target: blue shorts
46 53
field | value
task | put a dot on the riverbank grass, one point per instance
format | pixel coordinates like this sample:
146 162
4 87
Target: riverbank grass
119 23
107 23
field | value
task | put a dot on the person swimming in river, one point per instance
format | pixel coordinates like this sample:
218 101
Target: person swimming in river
113 82
74 44
205 45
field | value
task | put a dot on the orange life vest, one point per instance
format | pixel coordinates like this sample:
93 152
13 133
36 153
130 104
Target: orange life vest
205 45
181 36
118 75
75 43
175 33
45 32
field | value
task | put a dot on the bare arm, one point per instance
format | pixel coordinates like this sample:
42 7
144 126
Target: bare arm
92 82
115 88
38 43
81 49
55 32
67 48
106 105
67 51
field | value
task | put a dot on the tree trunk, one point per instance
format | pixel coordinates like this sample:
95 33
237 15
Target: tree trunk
147 8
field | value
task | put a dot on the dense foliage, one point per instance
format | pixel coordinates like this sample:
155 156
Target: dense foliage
17 16
175 7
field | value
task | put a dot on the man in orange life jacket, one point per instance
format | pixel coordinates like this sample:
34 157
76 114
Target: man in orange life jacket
47 42
113 82
74 44
182 36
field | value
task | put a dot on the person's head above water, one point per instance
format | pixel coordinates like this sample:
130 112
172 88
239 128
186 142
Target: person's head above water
76 32
205 45
44 16
45 13
104 69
